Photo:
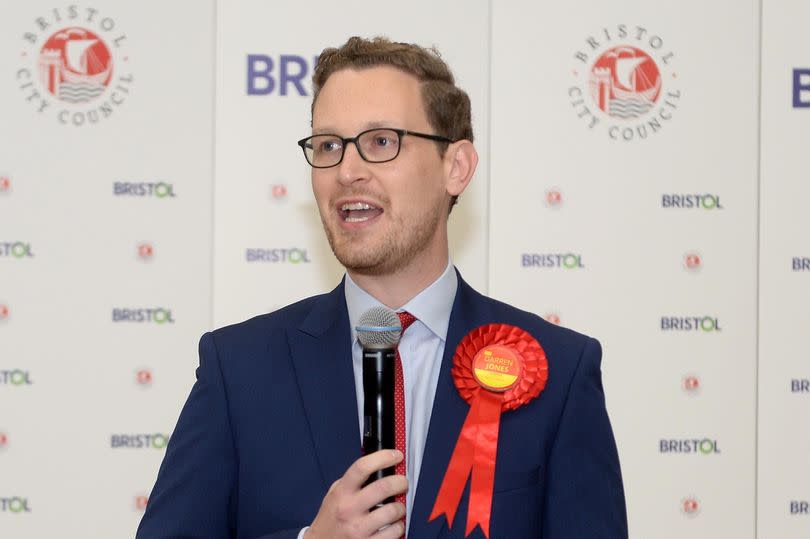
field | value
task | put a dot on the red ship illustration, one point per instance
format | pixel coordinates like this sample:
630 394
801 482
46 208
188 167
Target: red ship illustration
75 65
625 82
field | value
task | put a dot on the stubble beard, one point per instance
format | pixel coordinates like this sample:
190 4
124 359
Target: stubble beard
400 245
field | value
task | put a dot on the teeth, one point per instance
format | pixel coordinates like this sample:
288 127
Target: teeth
356 206
356 219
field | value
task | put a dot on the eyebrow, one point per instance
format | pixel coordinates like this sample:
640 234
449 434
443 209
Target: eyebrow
369 125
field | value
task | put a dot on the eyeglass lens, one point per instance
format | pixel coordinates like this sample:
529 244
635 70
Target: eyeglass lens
374 146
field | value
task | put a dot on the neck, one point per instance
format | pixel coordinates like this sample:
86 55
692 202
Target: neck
396 289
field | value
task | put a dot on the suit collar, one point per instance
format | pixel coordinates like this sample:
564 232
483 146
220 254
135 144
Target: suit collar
321 354
326 311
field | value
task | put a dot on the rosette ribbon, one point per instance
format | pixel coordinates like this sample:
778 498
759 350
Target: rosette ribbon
496 368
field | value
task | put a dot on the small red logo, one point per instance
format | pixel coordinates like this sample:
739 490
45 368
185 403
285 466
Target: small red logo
145 251
279 190
692 261
4 312
554 318
690 506
3 440
141 502
75 65
691 384
554 198
143 377
5 184
625 82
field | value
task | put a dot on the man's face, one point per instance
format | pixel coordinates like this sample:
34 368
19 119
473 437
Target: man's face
406 222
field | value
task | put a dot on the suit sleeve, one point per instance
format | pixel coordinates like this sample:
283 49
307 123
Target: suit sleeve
584 496
195 494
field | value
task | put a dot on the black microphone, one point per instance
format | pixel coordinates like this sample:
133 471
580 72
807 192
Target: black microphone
379 331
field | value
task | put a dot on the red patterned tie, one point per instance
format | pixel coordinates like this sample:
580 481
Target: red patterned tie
406 319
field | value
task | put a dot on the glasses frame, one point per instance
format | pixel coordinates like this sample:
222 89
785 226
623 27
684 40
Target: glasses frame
345 140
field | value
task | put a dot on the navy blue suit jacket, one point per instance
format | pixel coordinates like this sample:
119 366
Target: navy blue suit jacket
271 423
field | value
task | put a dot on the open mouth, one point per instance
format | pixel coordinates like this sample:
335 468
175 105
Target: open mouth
358 212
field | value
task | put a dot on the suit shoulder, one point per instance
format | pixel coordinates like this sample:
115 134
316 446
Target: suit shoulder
287 317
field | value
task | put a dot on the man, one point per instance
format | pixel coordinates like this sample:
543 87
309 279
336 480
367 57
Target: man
268 444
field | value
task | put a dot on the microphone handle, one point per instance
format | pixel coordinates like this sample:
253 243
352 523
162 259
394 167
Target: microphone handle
378 405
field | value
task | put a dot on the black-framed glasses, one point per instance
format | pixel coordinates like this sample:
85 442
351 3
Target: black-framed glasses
376 145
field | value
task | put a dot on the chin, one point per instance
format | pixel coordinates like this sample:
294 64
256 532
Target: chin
362 263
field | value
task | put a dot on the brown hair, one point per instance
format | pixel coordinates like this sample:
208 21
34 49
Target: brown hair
447 106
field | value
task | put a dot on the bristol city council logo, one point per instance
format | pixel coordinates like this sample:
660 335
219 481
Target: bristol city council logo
624 83
74 66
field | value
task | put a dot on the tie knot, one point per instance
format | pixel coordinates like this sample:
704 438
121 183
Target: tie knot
406 319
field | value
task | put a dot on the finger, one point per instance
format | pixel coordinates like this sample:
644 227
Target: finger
377 491
386 515
394 531
363 467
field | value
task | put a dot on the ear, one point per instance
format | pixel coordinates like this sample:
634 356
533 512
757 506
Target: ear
460 161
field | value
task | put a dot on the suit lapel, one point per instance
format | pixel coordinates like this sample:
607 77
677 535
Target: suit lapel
322 358
447 417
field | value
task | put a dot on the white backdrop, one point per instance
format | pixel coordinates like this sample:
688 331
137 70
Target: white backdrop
784 262
146 222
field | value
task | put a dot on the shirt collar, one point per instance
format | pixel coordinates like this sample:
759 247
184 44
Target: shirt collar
431 306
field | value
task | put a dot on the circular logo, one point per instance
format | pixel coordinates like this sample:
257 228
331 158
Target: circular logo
5 184
3 439
572 261
159 441
554 198
141 502
497 367
710 202
554 318
690 506
75 65
708 446
279 191
625 82
692 261
163 190
79 75
4 312
161 316
691 384
143 377
17 505
145 251
708 323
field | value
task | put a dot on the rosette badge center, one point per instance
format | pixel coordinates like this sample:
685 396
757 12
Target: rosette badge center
496 368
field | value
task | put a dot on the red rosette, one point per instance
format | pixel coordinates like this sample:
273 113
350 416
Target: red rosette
535 365
496 368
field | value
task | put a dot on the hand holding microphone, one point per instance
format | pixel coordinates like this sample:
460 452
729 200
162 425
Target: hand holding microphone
361 503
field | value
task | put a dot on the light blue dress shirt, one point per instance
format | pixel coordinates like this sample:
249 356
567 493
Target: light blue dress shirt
421 349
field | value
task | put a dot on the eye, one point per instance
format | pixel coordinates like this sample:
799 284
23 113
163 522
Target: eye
327 146
384 141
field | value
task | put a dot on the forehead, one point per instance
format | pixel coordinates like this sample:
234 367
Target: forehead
353 99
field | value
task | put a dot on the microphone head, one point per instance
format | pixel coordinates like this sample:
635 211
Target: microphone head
379 328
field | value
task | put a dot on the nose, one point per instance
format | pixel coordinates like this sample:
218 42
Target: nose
353 167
